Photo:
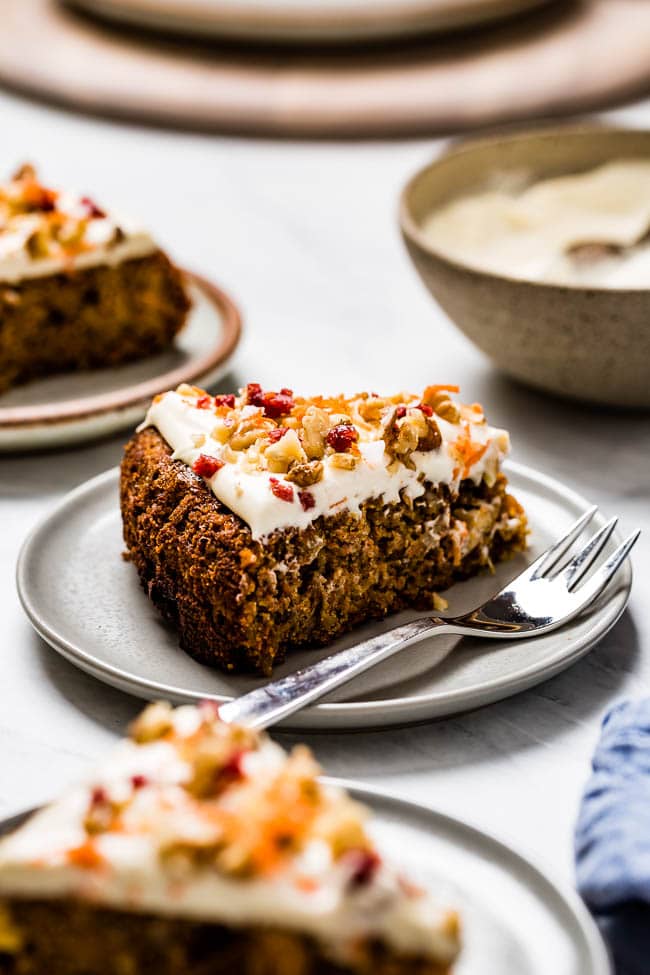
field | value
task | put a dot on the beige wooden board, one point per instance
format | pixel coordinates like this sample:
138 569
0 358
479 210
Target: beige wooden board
305 20
570 57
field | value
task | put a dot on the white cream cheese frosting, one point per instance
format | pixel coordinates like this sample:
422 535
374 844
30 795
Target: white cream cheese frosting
45 231
270 498
145 833
587 229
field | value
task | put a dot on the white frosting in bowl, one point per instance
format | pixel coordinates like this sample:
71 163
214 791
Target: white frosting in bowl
585 229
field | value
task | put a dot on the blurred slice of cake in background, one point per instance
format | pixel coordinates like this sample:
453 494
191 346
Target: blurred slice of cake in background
79 288
202 847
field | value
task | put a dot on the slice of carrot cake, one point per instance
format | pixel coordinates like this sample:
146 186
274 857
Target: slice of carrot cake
269 521
199 847
79 288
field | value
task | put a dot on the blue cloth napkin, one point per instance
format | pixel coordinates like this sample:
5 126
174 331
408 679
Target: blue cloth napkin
612 841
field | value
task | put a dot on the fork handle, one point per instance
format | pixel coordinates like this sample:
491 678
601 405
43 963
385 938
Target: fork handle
277 700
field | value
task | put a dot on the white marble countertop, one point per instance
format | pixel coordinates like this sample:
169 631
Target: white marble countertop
305 236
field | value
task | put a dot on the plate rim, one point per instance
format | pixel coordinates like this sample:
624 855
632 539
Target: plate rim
352 715
339 21
23 418
438 821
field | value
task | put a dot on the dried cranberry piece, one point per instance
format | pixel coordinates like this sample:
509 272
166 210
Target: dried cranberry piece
232 771
400 412
307 500
204 402
206 466
426 409
342 436
254 394
98 796
282 491
273 404
277 404
94 212
139 781
277 434
364 864
226 399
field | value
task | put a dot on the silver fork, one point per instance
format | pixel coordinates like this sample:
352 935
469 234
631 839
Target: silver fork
536 601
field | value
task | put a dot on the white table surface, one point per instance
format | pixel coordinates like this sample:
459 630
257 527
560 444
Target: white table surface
305 237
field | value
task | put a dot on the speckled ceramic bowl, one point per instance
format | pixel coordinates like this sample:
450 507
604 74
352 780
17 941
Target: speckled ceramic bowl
582 342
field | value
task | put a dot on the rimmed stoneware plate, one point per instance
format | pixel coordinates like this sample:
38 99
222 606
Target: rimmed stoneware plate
516 919
92 610
76 407
305 20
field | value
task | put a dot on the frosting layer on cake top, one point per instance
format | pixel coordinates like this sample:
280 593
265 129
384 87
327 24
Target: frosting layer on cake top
195 818
45 231
279 460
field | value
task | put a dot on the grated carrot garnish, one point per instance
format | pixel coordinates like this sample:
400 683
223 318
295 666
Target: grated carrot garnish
86 856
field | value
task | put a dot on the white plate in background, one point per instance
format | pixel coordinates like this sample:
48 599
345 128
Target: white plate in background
79 406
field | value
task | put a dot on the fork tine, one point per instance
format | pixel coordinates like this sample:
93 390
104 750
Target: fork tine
580 564
552 555
593 588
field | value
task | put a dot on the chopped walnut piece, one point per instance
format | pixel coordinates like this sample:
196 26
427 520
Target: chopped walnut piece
315 427
249 430
371 408
304 475
285 451
37 244
447 410
344 462
414 430
342 826
155 722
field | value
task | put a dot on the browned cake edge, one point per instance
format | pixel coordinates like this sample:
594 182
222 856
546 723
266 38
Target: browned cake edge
66 937
93 318
241 604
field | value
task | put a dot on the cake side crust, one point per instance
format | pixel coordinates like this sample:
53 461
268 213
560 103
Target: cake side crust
67 937
91 318
241 603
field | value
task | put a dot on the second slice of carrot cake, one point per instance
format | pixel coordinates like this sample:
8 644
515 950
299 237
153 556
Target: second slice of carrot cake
268 521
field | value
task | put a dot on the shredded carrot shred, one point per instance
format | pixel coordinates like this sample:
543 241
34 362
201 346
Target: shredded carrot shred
440 388
86 856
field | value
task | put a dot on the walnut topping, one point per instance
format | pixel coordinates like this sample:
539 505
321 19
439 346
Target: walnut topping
315 426
371 409
447 410
304 475
298 438
409 431
344 462
154 722
284 452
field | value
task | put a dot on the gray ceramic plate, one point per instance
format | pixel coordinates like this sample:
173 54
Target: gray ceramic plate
516 921
74 407
85 600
